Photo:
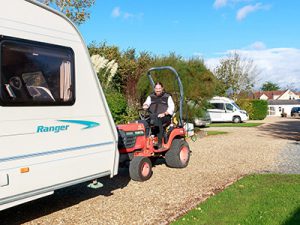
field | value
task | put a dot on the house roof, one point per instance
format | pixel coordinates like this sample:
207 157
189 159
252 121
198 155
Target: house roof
269 94
283 102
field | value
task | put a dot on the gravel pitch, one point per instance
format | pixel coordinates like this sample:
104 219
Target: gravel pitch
289 159
216 162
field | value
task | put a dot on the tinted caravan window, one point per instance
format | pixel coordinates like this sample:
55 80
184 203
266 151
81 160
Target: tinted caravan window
36 74
229 107
217 106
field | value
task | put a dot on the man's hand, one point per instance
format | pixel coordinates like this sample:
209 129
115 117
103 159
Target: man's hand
161 115
145 107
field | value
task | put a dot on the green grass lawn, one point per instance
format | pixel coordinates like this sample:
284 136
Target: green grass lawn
215 132
266 199
235 124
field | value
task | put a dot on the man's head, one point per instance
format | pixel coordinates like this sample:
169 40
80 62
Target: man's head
158 89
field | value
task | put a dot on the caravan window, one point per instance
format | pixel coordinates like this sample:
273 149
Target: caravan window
36 74
217 106
229 107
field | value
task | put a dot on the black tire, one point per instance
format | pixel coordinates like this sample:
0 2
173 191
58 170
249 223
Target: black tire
175 157
236 119
138 167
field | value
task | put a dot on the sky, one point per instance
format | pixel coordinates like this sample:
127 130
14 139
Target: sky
266 31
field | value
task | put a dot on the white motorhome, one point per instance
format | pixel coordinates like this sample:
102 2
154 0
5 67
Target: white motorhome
226 110
56 129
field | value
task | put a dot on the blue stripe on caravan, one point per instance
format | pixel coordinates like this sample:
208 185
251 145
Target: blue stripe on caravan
87 124
53 152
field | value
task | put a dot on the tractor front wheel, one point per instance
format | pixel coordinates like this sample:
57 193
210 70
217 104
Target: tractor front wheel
140 168
178 155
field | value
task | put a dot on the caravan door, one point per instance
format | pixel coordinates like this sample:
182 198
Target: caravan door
229 111
217 112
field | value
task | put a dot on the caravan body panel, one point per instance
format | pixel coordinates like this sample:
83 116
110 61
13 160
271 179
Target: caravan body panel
45 147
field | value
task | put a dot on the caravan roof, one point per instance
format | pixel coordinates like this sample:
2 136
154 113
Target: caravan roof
221 99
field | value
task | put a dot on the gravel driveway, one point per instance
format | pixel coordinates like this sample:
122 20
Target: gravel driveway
289 159
216 162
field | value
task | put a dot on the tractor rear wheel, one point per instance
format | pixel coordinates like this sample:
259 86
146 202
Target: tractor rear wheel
140 168
178 155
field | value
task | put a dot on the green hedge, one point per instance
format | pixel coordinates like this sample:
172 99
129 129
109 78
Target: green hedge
256 109
117 105
260 109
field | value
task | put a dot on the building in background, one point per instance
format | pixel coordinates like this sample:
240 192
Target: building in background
276 95
279 102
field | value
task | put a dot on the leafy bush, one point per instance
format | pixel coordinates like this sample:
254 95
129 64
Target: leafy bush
121 112
260 109
256 109
199 84
117 105
130 115
197 80
193 109
246 104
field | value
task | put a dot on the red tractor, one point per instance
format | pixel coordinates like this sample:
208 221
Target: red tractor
138 147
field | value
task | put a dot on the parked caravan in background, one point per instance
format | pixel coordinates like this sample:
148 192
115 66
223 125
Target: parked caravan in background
226 110
56 128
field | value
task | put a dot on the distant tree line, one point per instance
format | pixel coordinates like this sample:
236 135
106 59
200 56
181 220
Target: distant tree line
270 86
129 86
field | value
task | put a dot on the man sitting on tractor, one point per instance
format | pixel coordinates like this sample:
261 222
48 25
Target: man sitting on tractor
161 107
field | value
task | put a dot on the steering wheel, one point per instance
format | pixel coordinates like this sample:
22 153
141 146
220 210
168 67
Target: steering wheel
144 114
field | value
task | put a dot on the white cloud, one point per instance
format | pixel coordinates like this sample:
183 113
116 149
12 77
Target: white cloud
128 15
258 45
223 3
279 65
116 12
220 3
125 15
244 11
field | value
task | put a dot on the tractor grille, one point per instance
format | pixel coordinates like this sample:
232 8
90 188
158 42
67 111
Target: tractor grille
126 139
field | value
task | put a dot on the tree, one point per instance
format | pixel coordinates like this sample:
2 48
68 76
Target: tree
291 87
73 9
237 74
132 67
131 83
199 84
270 86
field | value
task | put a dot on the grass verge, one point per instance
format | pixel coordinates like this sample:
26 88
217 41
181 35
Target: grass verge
256 199
235 124
215 132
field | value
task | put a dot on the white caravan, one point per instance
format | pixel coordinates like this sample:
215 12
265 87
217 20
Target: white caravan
55 126
226 110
